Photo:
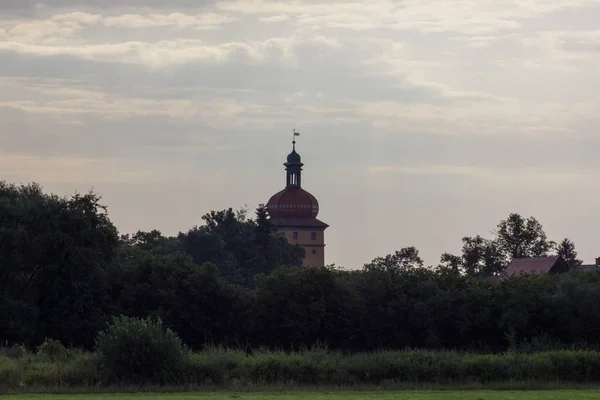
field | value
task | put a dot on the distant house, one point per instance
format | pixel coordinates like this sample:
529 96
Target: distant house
537 265
548 265
590 267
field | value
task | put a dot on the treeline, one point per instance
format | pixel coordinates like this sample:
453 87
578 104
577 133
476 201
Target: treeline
234 281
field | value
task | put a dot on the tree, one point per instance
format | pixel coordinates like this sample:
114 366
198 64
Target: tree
263 241
204 246
480 257
54 251
263 229
519 237
192 299
450 262
153 241
239 246
300 307
225 239
403 259
515 237
566 249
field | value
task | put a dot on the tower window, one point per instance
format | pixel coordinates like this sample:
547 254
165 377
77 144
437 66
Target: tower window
313 236
295 235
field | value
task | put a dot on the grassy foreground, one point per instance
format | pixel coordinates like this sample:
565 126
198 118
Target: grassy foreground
316 370
404 395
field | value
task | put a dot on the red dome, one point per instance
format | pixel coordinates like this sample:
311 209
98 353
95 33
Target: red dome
293 203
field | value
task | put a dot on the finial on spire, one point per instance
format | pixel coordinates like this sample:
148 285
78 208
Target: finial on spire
294 139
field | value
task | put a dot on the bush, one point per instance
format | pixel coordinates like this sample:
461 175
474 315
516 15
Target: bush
215 366
220 367
15 351
137 351
53 350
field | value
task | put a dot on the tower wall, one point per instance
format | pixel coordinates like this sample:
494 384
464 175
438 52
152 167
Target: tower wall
314 249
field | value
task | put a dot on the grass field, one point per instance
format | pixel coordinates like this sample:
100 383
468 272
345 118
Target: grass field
401 395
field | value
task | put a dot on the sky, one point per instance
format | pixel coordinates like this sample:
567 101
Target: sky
421 121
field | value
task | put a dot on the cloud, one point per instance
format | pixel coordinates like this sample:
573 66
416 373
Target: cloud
470 17
70 24
490 116
75 170
480 41
28 7
497 177
81 20
63 99
149 54
86 172
567 46
61 35
275 18
182 21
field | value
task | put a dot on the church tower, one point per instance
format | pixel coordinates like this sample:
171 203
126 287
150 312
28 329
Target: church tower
294 211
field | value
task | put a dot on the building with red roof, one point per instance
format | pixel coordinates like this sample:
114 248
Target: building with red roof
537 265
546 265
294 211
590 267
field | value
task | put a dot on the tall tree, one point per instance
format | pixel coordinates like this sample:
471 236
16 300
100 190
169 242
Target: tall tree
450 262
263 241
519 237
403 259
264 228
480 257
54 251
566 249
153 241
239 246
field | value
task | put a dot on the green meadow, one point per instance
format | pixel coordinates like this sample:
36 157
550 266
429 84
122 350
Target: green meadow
391 395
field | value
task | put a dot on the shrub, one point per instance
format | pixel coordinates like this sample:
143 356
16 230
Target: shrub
82 370
215 366
15 351
133 350
10 374
53 350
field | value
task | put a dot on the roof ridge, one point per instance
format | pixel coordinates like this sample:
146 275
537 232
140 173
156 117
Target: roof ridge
534 258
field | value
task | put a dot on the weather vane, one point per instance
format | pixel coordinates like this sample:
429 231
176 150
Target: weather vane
294 138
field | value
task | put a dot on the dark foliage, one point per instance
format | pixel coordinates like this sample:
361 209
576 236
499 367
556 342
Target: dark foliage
234 281
53 254
133 350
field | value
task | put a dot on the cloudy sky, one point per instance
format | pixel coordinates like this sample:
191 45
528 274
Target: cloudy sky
421 121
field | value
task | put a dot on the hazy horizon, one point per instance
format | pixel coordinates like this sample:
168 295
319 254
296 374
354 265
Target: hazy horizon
420 122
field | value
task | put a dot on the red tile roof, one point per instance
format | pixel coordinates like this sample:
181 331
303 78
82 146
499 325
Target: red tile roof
539 265
293 203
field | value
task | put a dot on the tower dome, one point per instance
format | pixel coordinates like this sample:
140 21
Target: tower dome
293 202
294 158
